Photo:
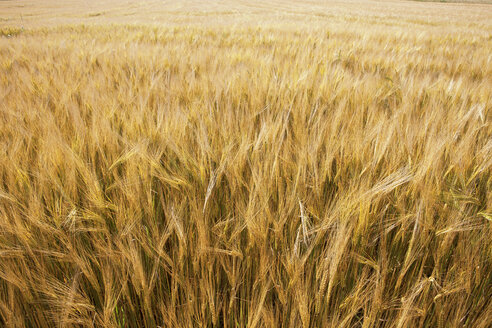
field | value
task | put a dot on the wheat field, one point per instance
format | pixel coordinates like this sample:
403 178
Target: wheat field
245 164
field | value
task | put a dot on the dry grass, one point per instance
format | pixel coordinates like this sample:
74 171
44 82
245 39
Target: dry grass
335 172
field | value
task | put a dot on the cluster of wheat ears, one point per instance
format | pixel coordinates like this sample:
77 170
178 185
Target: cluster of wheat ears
259 176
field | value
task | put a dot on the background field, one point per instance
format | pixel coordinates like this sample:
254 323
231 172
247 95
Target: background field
230 13
242 163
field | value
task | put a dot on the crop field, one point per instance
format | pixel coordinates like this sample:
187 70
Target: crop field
245 164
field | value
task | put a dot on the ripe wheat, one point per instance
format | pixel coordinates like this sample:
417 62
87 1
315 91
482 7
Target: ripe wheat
265 175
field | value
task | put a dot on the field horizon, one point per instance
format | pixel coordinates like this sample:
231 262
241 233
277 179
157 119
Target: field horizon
245 164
